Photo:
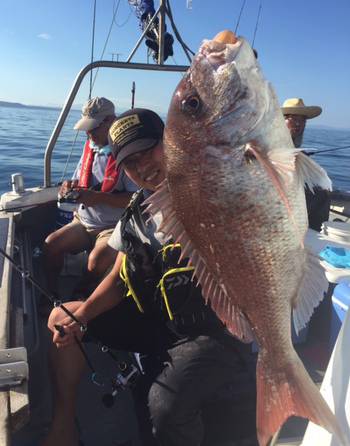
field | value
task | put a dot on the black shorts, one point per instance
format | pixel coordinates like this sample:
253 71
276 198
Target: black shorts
124 327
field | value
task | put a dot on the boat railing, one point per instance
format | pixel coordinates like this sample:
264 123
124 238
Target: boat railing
73 92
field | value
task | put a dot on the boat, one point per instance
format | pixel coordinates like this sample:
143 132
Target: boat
105 413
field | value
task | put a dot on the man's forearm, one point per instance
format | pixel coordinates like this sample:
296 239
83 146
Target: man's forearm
107 295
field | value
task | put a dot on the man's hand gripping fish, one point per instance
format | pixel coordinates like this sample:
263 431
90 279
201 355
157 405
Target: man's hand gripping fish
234 199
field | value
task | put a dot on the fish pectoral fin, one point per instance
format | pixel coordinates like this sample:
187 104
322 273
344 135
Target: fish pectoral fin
283 160
278 162
289 391
311 173
312 290
279 166
212 291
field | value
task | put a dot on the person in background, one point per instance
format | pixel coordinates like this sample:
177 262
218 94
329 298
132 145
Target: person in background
296 113
103 192
193 363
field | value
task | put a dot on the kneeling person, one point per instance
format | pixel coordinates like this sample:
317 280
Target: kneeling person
148 304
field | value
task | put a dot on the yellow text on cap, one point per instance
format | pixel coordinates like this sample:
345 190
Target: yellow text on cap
123 124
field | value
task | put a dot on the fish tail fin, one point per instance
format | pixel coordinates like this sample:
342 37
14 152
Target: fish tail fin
291 392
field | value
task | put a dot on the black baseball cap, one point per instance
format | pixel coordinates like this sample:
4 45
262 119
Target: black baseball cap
135 130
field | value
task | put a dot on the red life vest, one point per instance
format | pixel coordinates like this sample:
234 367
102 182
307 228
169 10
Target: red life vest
111 174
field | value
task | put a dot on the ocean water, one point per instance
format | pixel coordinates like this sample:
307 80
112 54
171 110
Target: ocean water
24 133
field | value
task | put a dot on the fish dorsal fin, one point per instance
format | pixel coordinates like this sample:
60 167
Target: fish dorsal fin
212 290
311 173
312 289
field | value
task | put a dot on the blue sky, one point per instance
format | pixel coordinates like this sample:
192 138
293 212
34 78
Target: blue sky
303 49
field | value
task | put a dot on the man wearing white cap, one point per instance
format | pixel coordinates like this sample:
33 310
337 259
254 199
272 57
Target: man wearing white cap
295 114
103 191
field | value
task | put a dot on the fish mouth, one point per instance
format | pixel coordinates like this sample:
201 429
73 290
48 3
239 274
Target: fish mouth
220 52
226 36
231 57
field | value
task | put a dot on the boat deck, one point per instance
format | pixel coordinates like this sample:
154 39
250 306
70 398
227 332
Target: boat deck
98 424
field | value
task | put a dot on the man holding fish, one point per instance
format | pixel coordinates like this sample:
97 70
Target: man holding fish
195 361
230 193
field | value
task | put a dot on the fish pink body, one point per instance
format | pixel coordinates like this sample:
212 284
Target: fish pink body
234 199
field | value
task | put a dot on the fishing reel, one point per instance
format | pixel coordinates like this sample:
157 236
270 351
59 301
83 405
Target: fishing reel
126 377
69 197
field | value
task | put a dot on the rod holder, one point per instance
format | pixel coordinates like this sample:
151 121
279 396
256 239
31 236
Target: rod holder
17 183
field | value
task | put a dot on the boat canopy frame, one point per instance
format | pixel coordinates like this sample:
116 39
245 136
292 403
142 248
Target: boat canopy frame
73 92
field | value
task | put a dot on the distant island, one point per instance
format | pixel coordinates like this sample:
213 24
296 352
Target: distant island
325 127
19 105
162 115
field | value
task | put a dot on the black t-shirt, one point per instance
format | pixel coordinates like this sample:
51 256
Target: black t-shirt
318 205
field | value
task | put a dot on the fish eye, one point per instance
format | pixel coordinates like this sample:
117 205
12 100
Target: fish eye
192 104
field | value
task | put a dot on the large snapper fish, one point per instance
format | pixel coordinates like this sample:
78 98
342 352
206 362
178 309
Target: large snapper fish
234 198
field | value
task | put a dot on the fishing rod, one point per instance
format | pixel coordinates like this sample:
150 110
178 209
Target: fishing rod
92 45
17 208
240 15
56 303
256 25
329 150
127 373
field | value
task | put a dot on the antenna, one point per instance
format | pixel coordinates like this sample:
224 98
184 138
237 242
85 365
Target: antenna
116 54
133 94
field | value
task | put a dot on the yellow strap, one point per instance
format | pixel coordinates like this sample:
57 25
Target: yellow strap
162 286
170 246
124 276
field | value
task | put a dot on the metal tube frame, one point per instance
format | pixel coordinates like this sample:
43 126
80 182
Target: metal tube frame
70 99
138 43
161 33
